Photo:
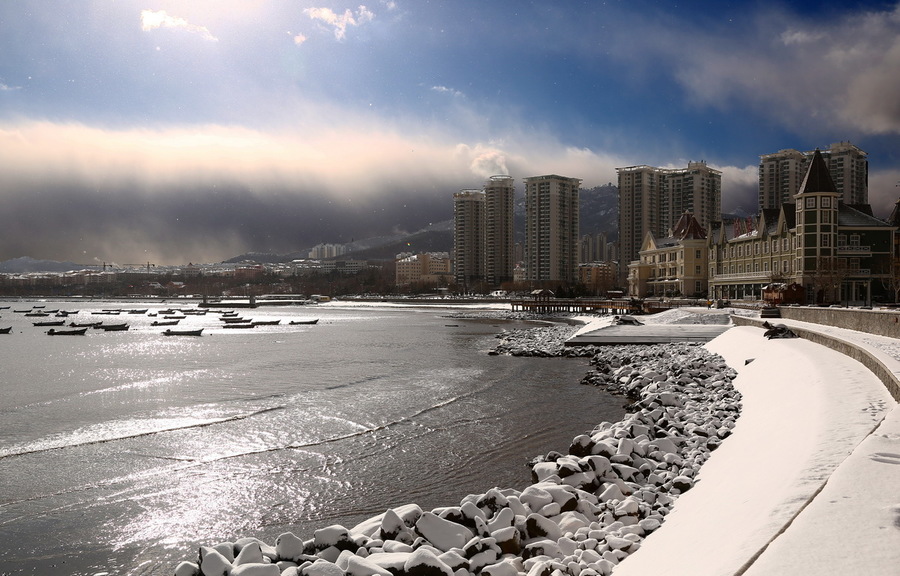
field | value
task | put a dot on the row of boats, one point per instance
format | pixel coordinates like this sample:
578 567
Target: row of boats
170 317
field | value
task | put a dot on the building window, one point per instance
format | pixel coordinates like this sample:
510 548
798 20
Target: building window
826 240
811 202
698 254
826 202
854 240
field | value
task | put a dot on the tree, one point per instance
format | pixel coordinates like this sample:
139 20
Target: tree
828 278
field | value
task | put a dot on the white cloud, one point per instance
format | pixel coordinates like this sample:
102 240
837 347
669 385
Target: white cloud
340 22
299 39
446 90
7 88
152 20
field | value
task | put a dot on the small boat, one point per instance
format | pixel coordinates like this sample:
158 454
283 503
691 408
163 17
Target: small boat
22 311
76 332
235 320
298 322
50 323
112 327
107 312
266 322
240 325
84 324
6 330
139 311
174 316
165 322
37 313
197 332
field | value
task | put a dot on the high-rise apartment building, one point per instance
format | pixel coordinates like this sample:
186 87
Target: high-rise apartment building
653 199
468 237
499 255
551 228
781 173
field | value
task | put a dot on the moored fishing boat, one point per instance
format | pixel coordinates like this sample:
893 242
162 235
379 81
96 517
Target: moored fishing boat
75 332
50 323
112 327
6 330
84 324
197 332
165 322
298 322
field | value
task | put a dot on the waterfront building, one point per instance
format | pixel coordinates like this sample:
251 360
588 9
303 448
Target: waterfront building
675 265
817 247
551 228
468 238
483 242
499 239
652 199
781 174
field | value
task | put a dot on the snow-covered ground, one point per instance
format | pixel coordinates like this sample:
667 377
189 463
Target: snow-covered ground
809 481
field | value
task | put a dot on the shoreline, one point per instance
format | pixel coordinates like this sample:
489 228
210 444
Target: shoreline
592 506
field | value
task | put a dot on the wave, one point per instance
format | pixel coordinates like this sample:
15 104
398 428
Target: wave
171 425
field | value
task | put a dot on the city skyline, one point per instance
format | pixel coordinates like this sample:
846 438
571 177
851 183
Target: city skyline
194 131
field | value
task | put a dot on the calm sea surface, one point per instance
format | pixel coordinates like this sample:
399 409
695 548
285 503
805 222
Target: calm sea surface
122 452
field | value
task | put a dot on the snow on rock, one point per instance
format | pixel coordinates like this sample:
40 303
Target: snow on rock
585 511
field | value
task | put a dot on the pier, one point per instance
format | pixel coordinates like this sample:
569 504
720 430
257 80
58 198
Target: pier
576 306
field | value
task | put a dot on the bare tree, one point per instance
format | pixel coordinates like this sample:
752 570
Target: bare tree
828 278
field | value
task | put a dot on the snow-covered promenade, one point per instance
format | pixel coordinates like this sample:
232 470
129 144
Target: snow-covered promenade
805 481
809 481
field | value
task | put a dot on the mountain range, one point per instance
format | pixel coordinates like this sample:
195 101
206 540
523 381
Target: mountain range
598 214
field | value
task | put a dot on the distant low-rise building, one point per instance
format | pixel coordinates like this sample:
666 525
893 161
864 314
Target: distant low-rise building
429 268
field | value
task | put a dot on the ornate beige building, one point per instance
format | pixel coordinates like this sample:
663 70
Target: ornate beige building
672 266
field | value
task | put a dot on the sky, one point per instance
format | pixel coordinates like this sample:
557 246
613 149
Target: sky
194 131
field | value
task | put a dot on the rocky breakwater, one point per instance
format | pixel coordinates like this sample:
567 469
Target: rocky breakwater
585 511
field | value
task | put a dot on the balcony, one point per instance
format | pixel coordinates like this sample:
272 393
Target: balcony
854 249
752 276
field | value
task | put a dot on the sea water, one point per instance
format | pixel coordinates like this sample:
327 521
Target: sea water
122 452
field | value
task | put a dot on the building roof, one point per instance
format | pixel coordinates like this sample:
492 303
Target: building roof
687 228
818 177
894 218
851 216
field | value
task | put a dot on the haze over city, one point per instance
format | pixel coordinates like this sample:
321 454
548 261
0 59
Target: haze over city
176 131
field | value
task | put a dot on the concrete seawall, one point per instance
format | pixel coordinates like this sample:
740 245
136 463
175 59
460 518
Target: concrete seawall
880 322
888 377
